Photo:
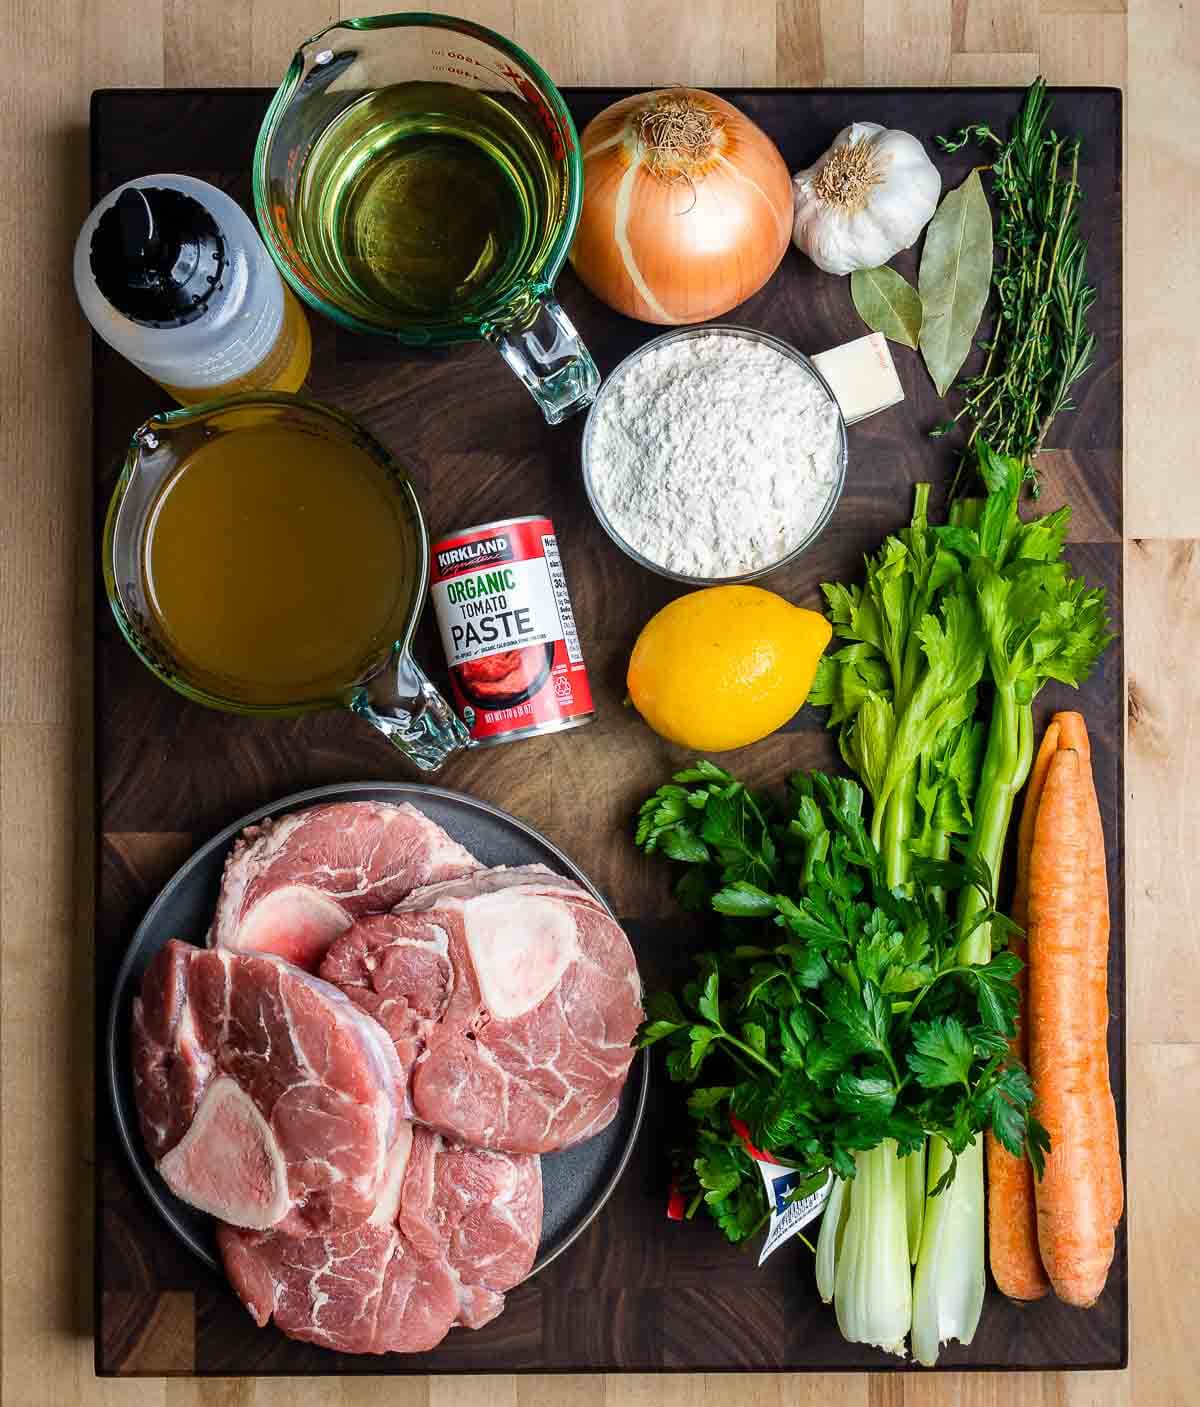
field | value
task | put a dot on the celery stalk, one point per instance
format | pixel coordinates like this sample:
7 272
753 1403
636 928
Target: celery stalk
898 825
1040 623
873 1288
829 1242
949 1284
1005 770
914 1185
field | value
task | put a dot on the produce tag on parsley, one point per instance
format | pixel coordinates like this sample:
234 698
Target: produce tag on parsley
788 1217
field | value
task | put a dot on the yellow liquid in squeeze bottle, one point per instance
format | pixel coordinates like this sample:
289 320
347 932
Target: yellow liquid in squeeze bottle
171 273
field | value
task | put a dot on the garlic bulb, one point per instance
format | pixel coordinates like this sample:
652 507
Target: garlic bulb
868 197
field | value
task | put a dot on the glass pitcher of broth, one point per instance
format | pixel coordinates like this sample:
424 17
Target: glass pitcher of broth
264 554
420 177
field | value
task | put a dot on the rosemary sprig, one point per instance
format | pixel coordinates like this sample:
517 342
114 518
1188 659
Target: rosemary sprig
1041 344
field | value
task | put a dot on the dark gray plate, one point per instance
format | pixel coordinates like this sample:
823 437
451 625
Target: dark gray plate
576 1182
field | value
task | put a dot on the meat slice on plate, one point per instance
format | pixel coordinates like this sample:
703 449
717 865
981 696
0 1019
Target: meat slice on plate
292 885
454 1228
265 1097
511 997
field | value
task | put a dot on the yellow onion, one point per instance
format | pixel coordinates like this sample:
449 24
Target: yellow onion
687 206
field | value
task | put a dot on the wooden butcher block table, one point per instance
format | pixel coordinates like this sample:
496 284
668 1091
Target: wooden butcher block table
635 1291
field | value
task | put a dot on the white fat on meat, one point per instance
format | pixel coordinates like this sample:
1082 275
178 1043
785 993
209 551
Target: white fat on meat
387 1207
229 1163
520 945
539 879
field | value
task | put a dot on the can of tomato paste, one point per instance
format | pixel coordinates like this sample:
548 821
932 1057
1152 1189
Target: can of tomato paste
502 607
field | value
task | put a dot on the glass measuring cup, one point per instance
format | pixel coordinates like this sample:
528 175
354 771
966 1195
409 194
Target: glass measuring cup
386 686
368 178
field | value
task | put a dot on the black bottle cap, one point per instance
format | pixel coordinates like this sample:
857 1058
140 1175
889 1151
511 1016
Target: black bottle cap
158 256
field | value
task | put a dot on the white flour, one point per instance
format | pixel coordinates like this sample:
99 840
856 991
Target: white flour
714 455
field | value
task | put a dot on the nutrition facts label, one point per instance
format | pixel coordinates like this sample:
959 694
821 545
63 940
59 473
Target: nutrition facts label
559 584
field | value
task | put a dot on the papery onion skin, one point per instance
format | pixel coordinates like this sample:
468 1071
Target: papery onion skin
680 250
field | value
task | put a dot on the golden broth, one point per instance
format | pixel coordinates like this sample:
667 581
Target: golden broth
280 564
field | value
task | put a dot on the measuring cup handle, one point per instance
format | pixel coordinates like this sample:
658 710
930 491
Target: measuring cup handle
546 353
402 703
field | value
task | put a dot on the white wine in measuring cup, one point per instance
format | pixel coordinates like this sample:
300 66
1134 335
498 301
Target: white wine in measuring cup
419 177
424 202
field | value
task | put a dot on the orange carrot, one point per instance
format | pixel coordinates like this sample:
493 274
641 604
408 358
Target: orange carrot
1011 1207
1051 742
1075 1230
1073 733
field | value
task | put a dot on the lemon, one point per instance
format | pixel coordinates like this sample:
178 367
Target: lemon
725 666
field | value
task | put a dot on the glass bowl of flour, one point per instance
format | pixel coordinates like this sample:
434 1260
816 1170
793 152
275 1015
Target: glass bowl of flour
714 454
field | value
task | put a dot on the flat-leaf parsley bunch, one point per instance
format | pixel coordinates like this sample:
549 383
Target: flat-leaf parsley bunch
834 1012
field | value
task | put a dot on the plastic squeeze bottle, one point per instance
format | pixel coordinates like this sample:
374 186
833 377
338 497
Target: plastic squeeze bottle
172 274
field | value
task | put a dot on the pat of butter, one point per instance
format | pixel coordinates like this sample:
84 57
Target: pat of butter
862 375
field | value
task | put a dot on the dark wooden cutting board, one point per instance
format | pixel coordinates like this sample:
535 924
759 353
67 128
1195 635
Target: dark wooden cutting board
636 1291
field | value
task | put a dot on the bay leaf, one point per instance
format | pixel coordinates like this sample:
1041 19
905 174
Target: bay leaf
887 303
955 276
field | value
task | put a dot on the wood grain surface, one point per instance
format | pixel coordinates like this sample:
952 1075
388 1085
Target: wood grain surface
57 55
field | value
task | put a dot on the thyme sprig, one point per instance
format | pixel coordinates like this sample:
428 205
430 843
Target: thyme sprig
1041 344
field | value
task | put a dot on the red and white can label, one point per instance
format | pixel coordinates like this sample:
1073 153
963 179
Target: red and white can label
508 630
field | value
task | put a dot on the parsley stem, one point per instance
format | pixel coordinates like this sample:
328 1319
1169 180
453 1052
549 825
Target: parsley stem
907 1016
742 1066
752 1053
887 1055
759 1224
758 856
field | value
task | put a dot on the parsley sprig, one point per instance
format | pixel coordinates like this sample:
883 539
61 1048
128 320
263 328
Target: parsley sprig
833 1011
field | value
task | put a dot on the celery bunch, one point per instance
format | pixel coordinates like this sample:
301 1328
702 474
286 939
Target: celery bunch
971 617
